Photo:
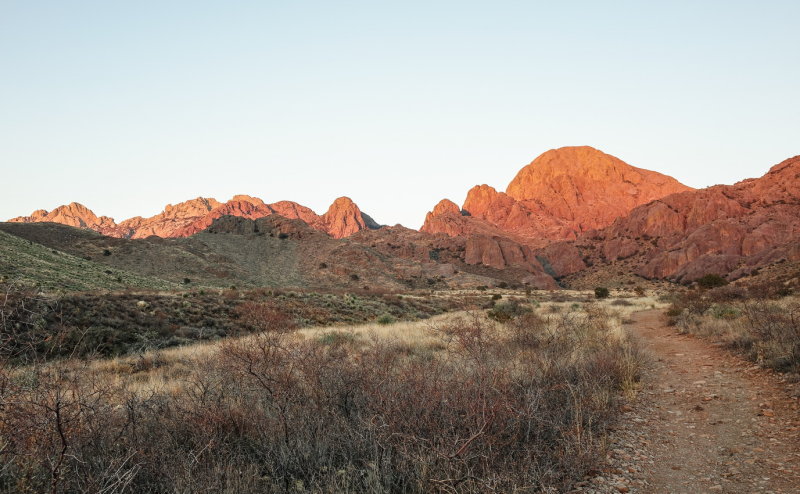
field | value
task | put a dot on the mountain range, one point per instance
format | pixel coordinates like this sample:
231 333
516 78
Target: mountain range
571 212
343 218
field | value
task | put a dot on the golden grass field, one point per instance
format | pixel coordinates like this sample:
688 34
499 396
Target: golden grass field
165 370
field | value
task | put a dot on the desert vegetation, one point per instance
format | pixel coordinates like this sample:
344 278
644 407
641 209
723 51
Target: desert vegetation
105 324
760 322
457 402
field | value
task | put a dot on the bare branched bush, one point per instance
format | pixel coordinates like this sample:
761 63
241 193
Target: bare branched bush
264 317
776 333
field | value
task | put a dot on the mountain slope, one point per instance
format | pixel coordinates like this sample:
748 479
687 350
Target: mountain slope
560 194
730 230
53 270
267 252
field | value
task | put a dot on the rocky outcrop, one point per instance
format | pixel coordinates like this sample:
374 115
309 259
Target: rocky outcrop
343 219
559 195
560 259
172 220
72 214
486 255
187 218
586 187
726 230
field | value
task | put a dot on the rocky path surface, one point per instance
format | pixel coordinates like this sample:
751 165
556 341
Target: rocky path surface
706 421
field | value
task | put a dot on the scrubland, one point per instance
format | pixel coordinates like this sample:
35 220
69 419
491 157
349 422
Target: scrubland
513 396
763 325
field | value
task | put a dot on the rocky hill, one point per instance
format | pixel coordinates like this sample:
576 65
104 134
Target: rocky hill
272 251
342 219
730 230
559 195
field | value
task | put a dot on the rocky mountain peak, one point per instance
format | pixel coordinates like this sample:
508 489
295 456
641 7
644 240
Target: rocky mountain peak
560 194
344 218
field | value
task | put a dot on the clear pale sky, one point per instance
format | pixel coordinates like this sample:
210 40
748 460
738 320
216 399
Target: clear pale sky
128 106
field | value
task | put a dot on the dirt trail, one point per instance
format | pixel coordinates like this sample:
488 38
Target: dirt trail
707 421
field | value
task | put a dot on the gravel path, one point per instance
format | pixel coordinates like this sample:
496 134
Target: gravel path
705 422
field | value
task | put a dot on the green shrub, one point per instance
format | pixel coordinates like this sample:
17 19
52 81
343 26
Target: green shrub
386 319
337 338
724 311
507 311
601 292
711 281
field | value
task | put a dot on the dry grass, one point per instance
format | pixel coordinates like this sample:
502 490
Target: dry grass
765 331
156 370
455 403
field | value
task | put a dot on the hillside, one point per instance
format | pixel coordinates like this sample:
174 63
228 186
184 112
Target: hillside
268 252
56 270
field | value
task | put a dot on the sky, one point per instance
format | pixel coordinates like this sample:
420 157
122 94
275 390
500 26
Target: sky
128 106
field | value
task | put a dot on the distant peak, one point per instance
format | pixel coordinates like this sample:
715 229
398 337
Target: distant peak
343 201
246 198
446 206
344 218
585 167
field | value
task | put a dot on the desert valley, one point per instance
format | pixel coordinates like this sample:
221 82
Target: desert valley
409 247
596 327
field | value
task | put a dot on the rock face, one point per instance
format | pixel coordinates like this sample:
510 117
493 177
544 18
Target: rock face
344 219
726 229
559 195
484 255
73 214
187 218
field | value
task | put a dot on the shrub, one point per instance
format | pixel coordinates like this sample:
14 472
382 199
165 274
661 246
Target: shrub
711 281
601 292
386 319
275 413
264 317
496 296
507 311
775 329
337 338
106 252
529 330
